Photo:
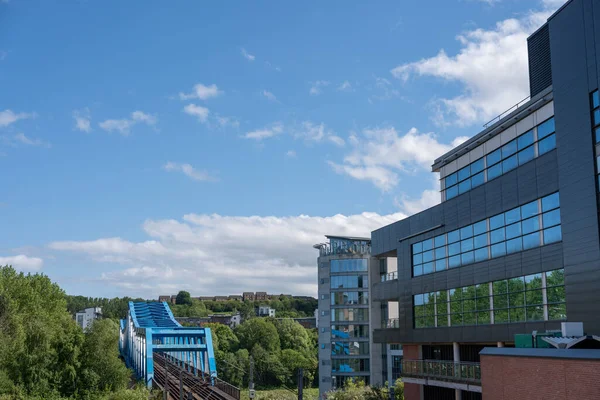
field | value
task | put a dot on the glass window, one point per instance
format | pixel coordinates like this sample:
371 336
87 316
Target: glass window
597 134
466 245
480 241
477 180
514 245
427 268
440 252
556 294
417 270
551 218
547 144
497 221
453 262
464 173
514 230
468 257
509 148
526 155
428 256
509 163
493 157
525 140
596 117
513 215
464 186
418 247
550 202
453 236
480 227
481 254
477 166
530 241
531 225
417 259
451 180
453 249
451 192
595 99
552 235
466 232
427 244
498 250
439 240
494 172
441 265
545 128
529 209
497 235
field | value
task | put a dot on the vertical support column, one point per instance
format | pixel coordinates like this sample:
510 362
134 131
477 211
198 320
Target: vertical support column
149 359
544 296
456 351
389 366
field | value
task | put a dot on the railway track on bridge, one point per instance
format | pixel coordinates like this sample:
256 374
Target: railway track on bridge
167 377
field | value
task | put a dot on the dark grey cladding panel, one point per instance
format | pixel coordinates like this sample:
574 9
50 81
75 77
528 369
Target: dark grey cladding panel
467 275
478 201
547 173
540 67
481 273
588 16
527 181
497 269
493 196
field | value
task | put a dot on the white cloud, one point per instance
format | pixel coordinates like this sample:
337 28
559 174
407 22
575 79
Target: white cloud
267 132
196 111
228 121
247 55
215 254
22 262
269 95
8 117
429 198
22 139
290 154
123 126
201 92
189 171
381 153
82 120
491 66
317 133
345 87
317 87
384 90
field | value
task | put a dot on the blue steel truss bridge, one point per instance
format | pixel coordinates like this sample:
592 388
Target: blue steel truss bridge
175 359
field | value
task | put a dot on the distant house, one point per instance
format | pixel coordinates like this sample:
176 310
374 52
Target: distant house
248 296
260 296
84 318
265 311
236 297
231 320
174 299
221 298
206 298
164 298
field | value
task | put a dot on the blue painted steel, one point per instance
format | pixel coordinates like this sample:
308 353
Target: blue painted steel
151 328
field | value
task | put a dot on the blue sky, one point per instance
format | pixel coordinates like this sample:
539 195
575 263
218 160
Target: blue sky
150 147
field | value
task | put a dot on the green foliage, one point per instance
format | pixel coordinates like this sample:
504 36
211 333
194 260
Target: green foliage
183 297
195 309
258 331
45 355
357 390
223 338
111 308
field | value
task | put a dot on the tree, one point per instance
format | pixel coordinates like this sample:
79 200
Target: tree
183 297
223 337
294 336
259 331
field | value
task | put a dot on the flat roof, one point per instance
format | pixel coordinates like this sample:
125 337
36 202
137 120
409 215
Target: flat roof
348 237
583 354
538 101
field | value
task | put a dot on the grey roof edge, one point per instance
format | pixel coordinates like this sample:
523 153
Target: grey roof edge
578 354
538 101
348 237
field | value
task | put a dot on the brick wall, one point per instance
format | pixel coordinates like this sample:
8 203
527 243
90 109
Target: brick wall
536 378
411 391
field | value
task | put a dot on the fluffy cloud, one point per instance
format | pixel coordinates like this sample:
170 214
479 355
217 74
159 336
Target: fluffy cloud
317 87
214 254
247 55
21 138
345 87
491 66
82 120
123 126
381 153
201 92
8 117
264 133
189 171
269 95
227 121
429 198
196 111
22 262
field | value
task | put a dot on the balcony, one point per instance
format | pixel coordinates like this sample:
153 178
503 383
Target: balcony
390 323
392 276
468 373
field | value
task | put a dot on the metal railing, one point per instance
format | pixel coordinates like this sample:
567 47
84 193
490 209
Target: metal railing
450 371
499 117
326 249
389 276
391 323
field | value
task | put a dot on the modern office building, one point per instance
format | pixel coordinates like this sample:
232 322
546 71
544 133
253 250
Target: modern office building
514 246
84 318
346 350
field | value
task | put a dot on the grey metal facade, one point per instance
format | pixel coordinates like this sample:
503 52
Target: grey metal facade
570 169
